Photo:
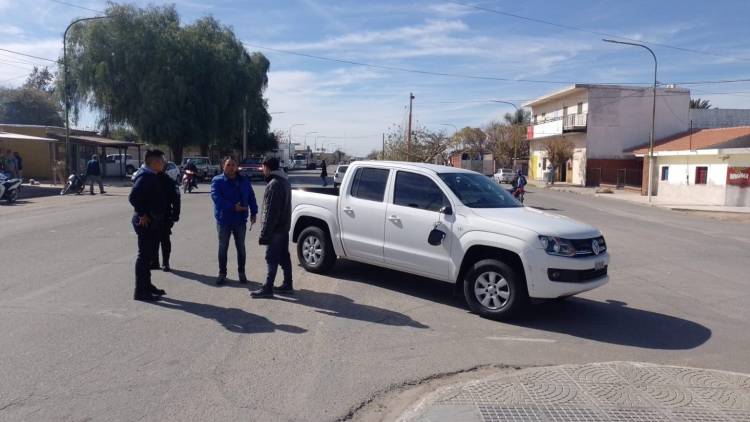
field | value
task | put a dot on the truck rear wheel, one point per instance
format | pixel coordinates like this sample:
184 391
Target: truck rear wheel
493 290
314 250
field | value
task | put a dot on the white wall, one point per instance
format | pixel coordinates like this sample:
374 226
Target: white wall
680 188
538 152
715 117
554 111
621 118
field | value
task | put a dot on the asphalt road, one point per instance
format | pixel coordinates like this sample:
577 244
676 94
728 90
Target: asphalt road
75 346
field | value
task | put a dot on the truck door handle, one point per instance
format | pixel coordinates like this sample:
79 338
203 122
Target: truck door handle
348 210
394 218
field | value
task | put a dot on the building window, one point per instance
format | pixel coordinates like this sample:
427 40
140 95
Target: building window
665 173
544 116
701 175
580 108
535 119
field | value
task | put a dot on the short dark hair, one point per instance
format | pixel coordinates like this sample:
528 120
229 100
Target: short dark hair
225 159
153 153
272 163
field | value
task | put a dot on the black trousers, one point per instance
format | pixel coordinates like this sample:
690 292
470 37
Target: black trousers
147 241
165 241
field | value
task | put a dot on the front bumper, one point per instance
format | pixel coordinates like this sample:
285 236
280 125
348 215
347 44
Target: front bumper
538 275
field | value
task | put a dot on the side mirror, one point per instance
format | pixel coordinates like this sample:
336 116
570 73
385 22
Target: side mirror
436 237
447 210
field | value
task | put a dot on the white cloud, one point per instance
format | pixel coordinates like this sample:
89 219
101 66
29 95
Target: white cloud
451 10
10 30
14 68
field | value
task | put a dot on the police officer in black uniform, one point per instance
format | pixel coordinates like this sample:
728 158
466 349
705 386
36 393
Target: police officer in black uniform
149 200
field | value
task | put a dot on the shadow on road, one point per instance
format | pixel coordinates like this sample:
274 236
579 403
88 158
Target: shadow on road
233 319
616 323
543 208
344 307
210 280
608 322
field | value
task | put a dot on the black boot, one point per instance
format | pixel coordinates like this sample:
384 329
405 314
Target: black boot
221 279
166 268
264 293
286 288
243 279
146 297
156 291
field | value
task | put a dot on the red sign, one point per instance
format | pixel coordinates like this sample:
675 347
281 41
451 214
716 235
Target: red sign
738 176
529 132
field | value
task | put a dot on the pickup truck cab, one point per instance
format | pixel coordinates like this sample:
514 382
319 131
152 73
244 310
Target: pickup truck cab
452 225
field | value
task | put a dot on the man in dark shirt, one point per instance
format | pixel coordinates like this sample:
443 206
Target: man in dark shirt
94 174
277 220
148 200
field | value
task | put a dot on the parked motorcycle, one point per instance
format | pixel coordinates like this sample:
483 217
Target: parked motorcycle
10 187
188 181
75 184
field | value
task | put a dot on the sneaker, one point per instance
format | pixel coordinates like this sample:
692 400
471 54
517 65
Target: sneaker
243 279
263 293
285 288
221 279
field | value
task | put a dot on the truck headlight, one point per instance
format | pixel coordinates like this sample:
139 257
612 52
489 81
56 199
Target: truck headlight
557 246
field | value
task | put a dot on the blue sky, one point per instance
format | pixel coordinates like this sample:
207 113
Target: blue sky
352 105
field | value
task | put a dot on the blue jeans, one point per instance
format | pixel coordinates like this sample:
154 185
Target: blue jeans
238 231
277 253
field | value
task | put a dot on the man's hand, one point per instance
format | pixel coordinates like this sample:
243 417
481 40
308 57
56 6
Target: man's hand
239 208
143 221
253 218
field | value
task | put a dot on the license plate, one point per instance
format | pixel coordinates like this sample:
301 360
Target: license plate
599 265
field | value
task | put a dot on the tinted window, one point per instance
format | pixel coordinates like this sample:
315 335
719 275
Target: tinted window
477 191
370 184
342 169
417 191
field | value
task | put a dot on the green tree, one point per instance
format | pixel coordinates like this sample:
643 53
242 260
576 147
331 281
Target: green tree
28 106
507 140
175 85
699 103
471 140
40 79
559 151
426 145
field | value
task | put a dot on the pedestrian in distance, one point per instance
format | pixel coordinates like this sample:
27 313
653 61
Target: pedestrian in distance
234 201
94 174
149 217
274 233
324 172
10 164
19 164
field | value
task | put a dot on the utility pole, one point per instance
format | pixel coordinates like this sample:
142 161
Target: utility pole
408 133
244 133
382 151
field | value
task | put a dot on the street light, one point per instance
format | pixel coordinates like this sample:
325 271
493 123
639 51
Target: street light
653 116
316 141
308 133
514 141
289 147
67 89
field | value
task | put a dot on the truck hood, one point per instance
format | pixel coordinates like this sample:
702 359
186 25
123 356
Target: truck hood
538 221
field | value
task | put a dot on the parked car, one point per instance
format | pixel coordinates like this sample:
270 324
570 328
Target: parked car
206 169
450 224
252 167
504 175
339 175
120 164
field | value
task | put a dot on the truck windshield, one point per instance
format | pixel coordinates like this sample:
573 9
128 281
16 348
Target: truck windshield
478 191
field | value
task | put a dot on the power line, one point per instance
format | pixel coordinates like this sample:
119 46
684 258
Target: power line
77 6
28 55
25 67
598 33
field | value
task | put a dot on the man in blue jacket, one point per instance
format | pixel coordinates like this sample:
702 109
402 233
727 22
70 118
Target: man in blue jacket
233 197
94 174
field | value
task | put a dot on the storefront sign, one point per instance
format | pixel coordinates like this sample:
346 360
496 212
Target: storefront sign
738 176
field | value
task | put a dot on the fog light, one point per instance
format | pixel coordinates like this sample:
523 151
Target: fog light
555 275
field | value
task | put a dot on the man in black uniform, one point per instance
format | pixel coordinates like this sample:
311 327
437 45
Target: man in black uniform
172 188
149 200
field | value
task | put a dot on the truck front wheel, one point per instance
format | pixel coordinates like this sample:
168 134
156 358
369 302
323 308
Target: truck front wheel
314 250
493 290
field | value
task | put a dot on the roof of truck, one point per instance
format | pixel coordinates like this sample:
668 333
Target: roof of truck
413 166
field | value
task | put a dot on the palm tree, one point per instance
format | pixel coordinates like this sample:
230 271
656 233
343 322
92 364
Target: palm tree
699 103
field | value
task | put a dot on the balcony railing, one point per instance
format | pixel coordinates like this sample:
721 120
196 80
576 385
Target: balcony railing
575 121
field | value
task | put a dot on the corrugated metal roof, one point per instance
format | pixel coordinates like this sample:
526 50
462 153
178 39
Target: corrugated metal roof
18 137
728 137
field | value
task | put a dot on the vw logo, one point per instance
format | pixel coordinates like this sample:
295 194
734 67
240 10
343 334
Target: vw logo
595 248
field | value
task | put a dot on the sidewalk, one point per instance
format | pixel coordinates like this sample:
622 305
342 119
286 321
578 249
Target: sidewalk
637 198
613 391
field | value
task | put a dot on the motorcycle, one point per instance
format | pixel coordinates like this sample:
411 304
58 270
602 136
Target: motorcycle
75 184
518 193
10 187
188 181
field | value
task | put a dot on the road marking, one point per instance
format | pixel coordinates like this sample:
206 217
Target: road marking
528 339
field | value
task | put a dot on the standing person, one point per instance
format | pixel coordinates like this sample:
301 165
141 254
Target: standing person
94 174
19 164
11 165
59 172
274 233
233 197
324 172
147 199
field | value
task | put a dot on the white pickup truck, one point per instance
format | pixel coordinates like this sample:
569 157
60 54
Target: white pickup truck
448 224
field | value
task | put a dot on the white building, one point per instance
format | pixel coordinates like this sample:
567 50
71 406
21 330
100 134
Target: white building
602 121
703 166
